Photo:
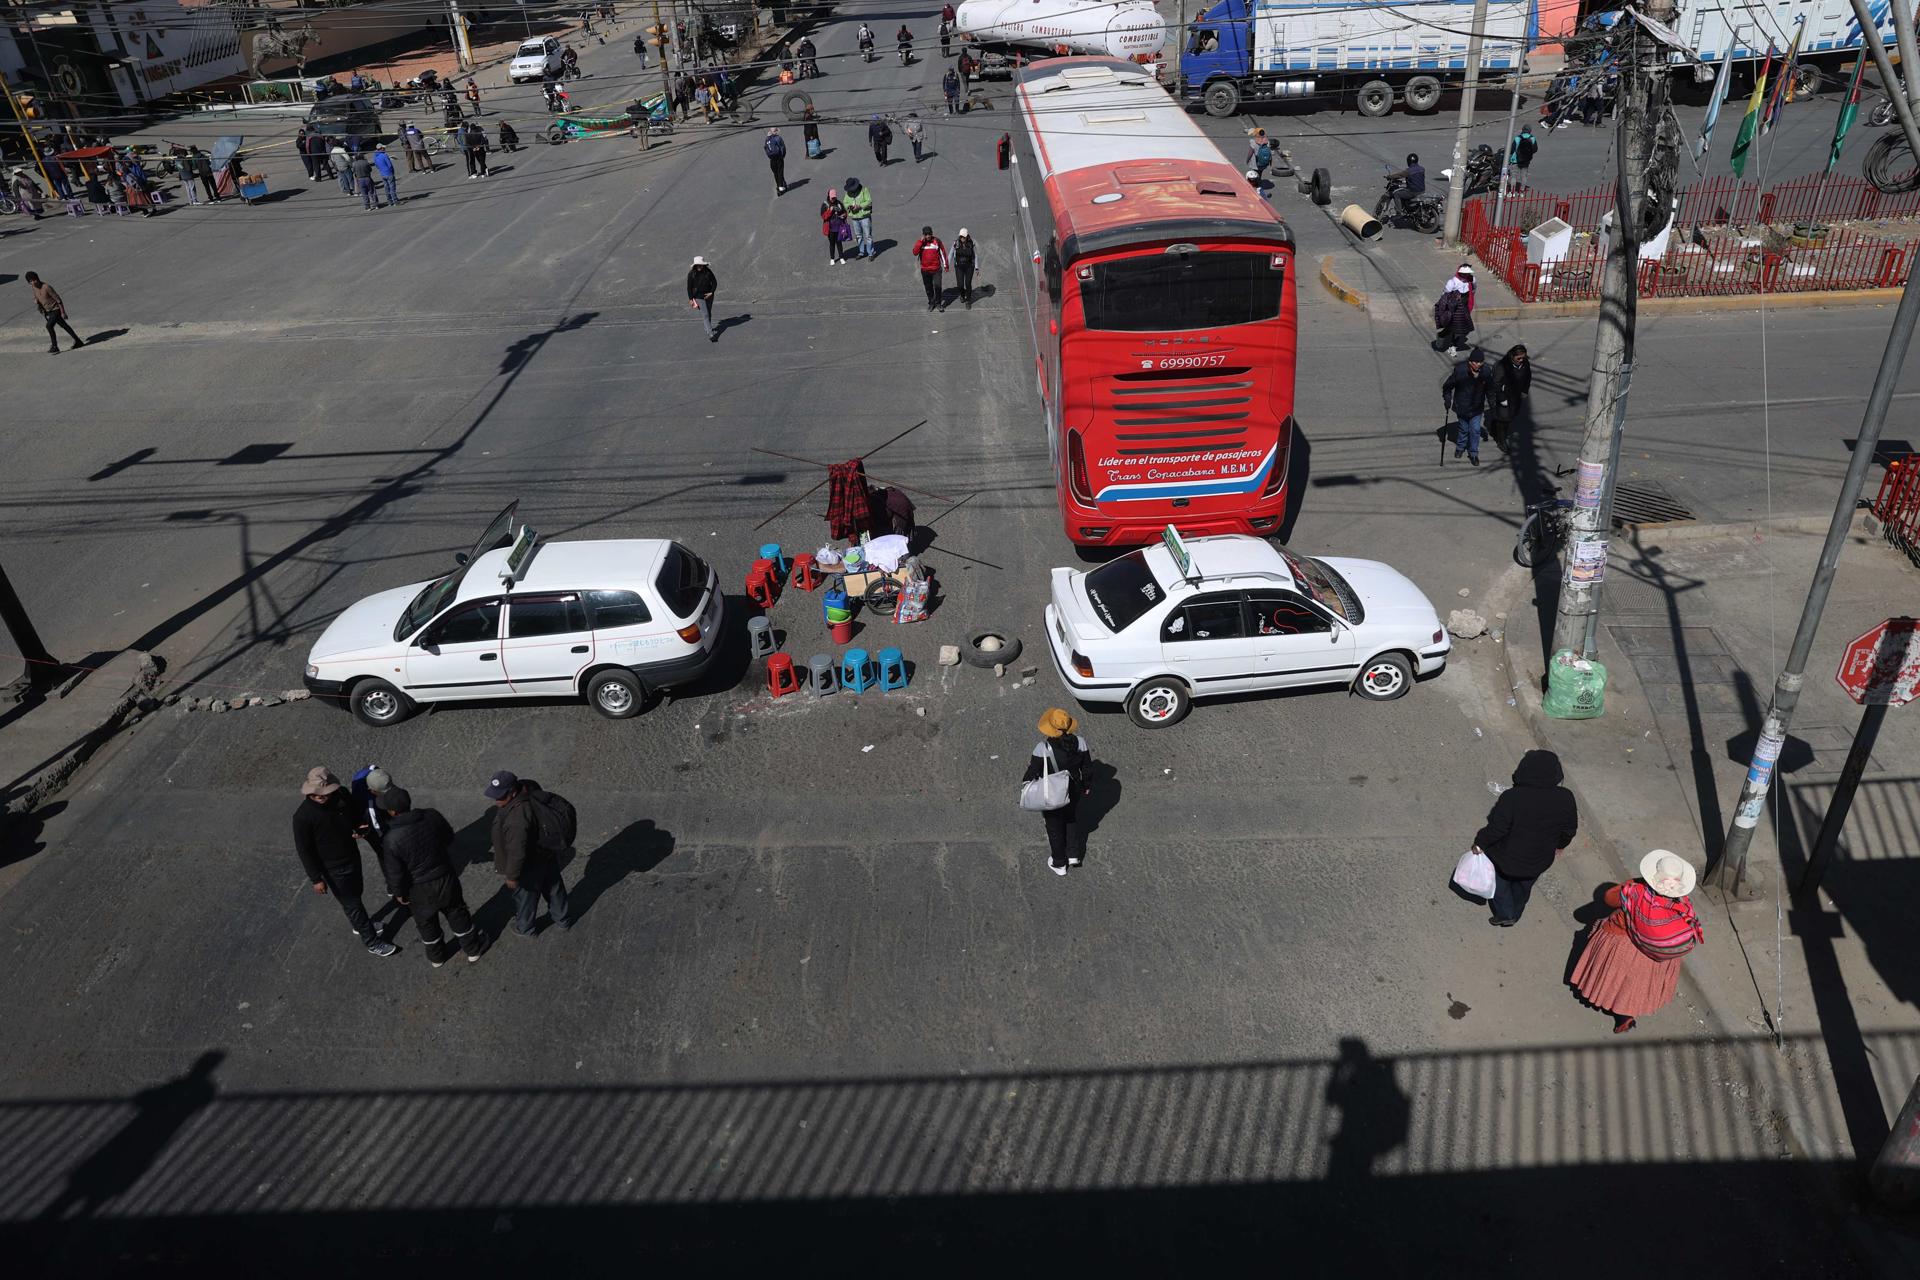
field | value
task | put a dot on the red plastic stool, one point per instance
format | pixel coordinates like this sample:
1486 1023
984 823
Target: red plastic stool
772 571
780 677
805 576
760 588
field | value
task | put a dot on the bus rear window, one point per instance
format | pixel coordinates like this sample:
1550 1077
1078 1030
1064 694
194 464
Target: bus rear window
1181 291
1123 589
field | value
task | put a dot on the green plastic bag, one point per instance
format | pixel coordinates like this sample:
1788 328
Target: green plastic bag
1576 687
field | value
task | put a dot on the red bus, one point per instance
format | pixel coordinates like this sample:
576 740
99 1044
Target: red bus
1161 298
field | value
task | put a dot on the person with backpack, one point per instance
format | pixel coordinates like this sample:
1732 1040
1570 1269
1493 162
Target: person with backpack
1531 823
859 203
1630 966
916 135
1521 153
810 131
966 256
1061 750
932 257
776 149
881 136
421 877
532 828
833 225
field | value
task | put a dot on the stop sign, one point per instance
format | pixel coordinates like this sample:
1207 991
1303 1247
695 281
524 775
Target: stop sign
1883 666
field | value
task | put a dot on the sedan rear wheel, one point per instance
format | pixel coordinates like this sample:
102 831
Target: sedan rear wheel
1159 703
615 694
1385 678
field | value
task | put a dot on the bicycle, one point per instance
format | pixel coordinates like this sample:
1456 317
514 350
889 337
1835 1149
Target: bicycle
1543 532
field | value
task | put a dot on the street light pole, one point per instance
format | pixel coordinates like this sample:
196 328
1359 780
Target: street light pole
1513 118
1463 129
1731 867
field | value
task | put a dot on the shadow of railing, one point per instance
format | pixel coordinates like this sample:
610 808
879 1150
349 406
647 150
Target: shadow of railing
1460 1151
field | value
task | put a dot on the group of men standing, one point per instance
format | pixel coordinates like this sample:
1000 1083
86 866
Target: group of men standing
531 830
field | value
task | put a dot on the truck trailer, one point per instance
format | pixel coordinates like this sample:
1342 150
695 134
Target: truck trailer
1261 51
1829 44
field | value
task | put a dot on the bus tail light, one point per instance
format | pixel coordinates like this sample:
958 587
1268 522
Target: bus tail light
1081 665
1281 453
1077 469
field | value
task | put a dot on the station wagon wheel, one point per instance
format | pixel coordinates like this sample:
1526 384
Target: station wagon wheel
1158 703
1385 678
615 694
377 703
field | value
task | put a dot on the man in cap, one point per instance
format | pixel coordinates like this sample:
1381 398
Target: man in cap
420 876
324 827
701 286
529 864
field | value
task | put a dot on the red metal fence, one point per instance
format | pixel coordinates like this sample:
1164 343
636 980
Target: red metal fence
1898 504
1725 199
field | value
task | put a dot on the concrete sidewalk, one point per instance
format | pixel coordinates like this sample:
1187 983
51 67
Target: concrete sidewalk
1696 622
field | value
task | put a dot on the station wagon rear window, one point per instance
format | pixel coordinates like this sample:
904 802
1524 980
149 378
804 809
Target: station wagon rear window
1123 589
682 580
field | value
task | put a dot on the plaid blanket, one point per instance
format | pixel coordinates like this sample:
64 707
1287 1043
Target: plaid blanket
849 506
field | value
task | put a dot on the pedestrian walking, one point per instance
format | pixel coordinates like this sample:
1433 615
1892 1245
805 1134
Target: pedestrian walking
833 225
342 165
701 286
683 91
306 154
950 86
859 202
640 49
1630 965
946 38
473 96
1520 154
1463 395
476 145
26 193
931 255
53 310
776 148
532 829
1510 383
966 256
1531 823
916 135
62 184
1453 313
966 66
134 178
416 861
383 170
364 182
509 140
325 828
321 148
1062 750
810 132
880 134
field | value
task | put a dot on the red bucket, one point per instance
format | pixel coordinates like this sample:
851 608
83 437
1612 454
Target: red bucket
842 631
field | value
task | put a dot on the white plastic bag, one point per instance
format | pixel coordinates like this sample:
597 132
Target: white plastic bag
1474 874
1048 791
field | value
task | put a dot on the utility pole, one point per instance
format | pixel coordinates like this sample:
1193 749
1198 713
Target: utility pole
462 48
1513 118
1643 103
1457 184
1731 868
42 669
26 132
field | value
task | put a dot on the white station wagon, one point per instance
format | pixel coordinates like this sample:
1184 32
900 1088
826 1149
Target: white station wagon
1163 625
520 618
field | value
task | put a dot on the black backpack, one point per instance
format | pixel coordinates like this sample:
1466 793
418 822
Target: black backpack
555 822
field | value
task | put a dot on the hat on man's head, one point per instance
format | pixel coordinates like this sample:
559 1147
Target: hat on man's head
320 782
699 261
502 785
1056 723
379 781
396 800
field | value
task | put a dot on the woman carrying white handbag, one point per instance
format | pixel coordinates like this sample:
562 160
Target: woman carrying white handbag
1053 785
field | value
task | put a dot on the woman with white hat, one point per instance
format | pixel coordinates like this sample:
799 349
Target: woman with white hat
1055 781
1631 964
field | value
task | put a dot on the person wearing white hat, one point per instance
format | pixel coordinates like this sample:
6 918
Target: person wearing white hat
966 256
701 287
1630 966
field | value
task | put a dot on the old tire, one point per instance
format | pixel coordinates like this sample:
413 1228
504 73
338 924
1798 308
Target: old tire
1807 80
1322 187
378 704
1422 94
794 103
1387 677
988 659
1374 98
1222 98
616 694
1159 703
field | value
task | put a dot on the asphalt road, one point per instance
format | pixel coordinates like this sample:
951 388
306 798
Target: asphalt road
301 403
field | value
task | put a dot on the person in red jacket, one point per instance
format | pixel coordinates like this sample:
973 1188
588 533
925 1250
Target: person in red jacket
932 257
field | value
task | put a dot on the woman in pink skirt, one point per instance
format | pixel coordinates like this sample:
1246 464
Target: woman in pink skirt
1631 963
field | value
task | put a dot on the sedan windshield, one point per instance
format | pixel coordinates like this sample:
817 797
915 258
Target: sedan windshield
1123 589
433 597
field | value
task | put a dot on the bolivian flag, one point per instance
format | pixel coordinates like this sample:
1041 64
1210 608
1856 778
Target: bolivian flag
1750 122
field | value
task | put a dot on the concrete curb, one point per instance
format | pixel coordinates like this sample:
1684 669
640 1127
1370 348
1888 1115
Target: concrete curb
1339 288
1698 306
86 713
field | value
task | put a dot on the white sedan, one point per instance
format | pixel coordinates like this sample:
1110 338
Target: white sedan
1168 623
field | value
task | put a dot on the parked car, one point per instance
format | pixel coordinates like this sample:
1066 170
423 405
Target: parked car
536 59
610 621
338 117
1168 623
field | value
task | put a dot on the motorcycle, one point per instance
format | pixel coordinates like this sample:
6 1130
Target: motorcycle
1483 169
558 103
809 68
866 51
1881 114
906 55
1425 213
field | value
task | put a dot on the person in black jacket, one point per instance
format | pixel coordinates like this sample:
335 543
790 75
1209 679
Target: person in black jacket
701 287
880 134
1062 749
966 256
1463 394
1530 823
1510 379
325 827
531 870
420 876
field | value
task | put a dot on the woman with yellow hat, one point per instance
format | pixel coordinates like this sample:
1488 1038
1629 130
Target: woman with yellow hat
1061 751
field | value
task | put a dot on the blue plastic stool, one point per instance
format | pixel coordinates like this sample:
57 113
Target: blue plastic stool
771 551
856 671
893 670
